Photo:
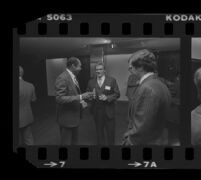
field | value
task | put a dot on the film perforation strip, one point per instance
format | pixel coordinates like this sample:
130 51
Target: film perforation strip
63 153
147 153
168 27
147 29
84 153
63 28
84 28
168 154
126 29
189 28
42 153
126 153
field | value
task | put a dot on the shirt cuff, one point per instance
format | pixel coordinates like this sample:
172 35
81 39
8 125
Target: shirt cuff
80 97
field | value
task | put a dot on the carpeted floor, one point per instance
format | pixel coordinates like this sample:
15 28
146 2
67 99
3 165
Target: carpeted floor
46 130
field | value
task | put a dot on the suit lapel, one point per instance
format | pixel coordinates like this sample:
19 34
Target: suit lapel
71 81
103 85
148 78
137 92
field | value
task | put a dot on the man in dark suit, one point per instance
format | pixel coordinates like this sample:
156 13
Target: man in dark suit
26 96
132 85
196 113
106 92
70 102
148 110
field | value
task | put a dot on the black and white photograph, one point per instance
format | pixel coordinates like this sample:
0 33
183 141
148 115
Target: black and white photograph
103 91
196 92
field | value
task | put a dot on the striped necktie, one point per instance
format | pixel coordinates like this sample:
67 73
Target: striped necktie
76 82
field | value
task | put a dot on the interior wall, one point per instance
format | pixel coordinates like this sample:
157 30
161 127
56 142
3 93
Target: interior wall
54 67
196 48
35 72
117 67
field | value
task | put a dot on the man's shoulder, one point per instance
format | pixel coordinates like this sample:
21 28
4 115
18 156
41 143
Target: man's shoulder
110 78
62 75
26 83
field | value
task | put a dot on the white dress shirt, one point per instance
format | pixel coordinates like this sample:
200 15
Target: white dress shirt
101 80
74 80
145 77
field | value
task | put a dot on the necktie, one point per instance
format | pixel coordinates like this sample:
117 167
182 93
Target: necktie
76 82
99 82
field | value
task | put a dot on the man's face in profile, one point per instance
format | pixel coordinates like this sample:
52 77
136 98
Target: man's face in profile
100 71
77 68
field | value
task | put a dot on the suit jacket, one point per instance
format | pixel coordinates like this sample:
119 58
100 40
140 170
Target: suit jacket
68 104
148 112
196 126
26 96
110 89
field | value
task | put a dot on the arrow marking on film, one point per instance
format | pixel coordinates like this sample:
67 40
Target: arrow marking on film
135 164
51 164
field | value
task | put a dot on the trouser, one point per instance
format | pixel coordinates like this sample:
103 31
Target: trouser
69 135
26 136
102 123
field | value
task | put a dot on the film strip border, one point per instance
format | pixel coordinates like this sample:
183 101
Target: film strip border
111 25
112 157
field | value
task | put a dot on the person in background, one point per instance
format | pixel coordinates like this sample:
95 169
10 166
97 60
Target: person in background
26 96
149 107
106 92
132 85
196 113
70 102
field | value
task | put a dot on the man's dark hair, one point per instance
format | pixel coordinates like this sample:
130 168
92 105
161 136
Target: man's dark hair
72 61
100 64
145 59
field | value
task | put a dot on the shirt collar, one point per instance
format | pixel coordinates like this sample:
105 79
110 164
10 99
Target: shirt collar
145 76
70 72
102 78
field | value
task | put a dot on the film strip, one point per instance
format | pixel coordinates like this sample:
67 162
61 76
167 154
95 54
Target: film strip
41 48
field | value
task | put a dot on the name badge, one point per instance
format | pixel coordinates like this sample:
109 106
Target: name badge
107 87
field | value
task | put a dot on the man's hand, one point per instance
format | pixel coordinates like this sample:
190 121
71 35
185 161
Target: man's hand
126 134
103 97
84 104
86 95
126 139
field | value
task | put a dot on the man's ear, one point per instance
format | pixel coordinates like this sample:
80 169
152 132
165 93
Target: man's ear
73 66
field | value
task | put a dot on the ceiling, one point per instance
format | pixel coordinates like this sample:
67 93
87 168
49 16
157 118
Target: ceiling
83 46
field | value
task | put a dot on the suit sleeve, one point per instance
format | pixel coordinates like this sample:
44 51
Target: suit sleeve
145 113
61 90
116 94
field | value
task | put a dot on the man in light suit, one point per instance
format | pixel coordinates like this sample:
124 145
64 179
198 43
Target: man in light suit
26 96
103 105
70 102
149 107
196 113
